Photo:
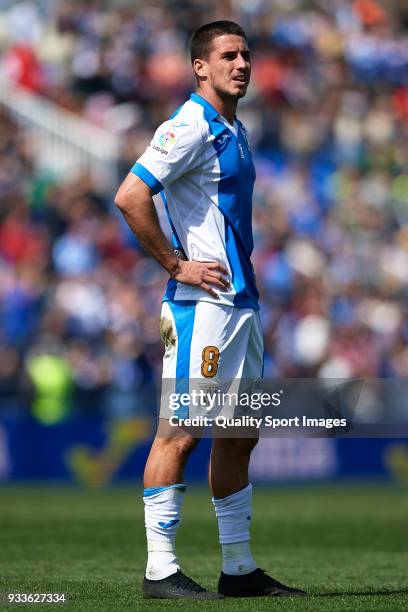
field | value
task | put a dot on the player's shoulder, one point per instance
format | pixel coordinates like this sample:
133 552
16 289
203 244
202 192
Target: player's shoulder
185 127
190 113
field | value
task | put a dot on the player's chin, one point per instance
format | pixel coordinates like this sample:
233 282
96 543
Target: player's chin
239 89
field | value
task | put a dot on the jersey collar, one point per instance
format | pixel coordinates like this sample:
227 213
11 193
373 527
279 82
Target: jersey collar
212 112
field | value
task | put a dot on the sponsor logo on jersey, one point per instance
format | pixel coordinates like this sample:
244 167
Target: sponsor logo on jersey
245 135
241 150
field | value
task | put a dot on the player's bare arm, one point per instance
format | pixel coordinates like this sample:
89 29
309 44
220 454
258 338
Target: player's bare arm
135 201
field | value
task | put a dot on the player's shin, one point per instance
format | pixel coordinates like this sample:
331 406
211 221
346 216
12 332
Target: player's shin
162 518
234 517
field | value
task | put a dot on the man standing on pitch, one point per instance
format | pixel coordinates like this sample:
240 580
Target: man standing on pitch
200 160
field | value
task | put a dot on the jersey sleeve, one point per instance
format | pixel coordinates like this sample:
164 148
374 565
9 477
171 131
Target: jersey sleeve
175 150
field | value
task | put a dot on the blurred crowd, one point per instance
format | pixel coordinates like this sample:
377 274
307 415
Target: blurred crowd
327 111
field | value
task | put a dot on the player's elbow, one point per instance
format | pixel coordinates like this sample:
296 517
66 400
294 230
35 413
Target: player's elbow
121 200
126 202
131 194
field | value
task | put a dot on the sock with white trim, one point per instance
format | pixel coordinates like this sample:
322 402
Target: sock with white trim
162 518
234 517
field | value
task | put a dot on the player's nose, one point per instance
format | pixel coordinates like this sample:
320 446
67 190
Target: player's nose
240 62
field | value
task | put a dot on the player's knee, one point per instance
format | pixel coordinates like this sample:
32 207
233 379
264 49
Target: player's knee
182 446
185 444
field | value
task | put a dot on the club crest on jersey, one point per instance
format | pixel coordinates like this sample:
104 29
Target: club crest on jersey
165 142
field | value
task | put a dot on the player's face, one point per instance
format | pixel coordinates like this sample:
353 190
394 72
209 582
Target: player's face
229 66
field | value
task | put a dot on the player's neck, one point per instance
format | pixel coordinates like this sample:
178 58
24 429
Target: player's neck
227 106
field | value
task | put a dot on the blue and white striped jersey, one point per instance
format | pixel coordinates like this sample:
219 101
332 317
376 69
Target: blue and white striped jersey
204 169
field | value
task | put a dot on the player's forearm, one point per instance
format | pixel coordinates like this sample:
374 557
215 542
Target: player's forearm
142 218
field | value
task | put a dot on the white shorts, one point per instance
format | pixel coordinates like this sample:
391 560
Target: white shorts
208 346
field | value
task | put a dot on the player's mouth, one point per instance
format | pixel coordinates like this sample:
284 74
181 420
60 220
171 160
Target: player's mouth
241 79
241 82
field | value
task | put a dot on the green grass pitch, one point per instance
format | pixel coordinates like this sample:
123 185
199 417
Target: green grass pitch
346 545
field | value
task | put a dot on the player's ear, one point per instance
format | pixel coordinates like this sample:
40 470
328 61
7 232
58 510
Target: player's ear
200 67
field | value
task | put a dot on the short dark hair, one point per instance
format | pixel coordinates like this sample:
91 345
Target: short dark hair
200 44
